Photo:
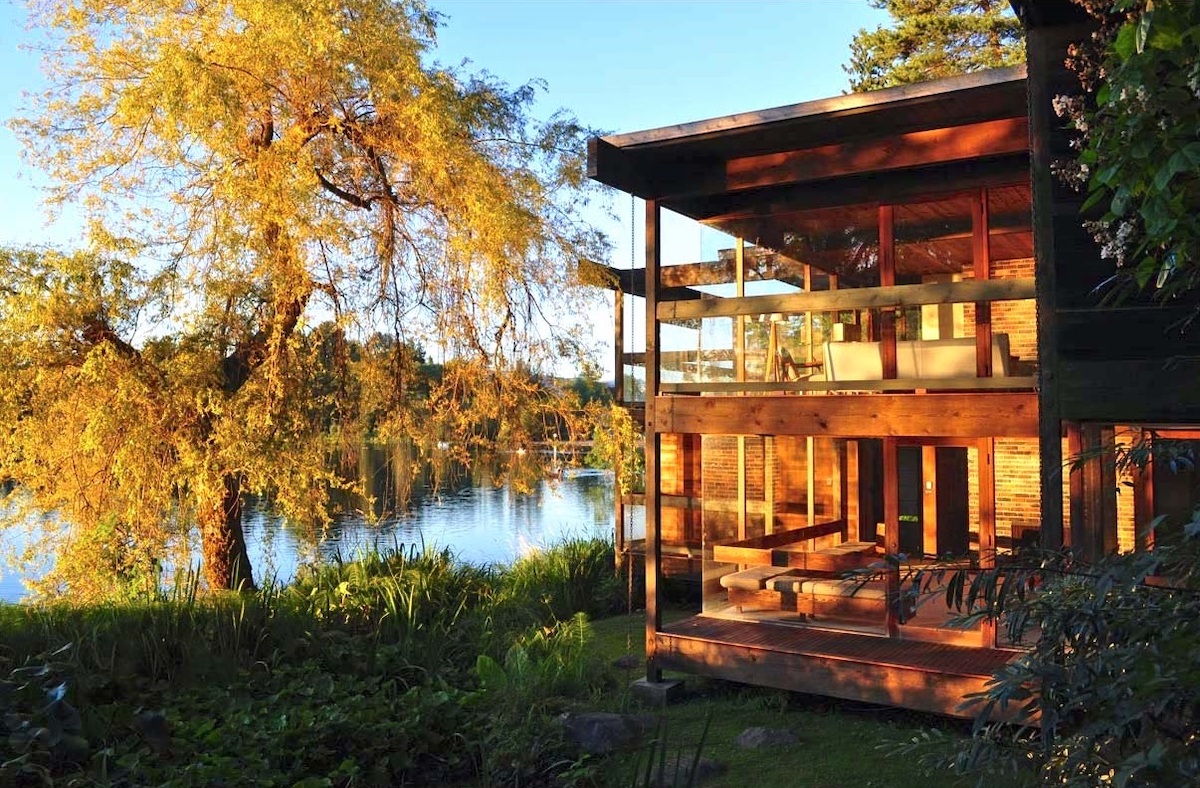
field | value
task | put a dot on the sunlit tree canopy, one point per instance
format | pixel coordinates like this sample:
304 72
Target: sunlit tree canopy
932 39
249 171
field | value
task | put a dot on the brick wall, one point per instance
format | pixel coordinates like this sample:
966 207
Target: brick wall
1017 319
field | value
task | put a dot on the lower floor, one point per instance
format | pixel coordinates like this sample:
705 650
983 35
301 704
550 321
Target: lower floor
933 677
803 548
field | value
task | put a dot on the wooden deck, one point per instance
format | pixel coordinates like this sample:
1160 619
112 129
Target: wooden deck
890 671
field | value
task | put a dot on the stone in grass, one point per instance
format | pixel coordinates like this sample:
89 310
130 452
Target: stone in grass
602 733
677 771
754 738
628 662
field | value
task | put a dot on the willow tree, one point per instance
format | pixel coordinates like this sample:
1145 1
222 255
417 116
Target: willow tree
931 39
248 169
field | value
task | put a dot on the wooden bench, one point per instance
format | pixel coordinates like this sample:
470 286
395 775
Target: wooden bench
779 566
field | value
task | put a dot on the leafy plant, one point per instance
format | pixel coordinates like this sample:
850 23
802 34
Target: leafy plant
1109 692
1138 153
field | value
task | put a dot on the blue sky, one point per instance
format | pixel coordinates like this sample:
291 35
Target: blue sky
617 65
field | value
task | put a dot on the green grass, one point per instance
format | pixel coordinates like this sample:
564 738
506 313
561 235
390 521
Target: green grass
399 668
840 743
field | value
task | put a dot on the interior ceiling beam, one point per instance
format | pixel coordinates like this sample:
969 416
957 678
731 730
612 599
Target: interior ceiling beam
902 151
864 189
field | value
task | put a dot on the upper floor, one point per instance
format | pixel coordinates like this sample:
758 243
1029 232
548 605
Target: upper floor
867 242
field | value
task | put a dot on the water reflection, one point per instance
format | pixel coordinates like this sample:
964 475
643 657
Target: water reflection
481 523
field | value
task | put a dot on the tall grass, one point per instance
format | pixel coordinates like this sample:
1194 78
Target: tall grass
391 641
422 607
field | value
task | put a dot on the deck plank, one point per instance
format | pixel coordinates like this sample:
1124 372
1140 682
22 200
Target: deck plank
892 671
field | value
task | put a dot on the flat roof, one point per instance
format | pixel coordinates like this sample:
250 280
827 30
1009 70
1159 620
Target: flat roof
682 159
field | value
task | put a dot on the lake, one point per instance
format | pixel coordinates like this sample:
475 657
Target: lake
480 524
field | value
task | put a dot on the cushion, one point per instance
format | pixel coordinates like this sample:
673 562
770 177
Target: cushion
753 579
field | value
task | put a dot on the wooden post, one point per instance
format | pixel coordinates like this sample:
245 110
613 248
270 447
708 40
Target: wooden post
619 346
929 521
837 484
887 278
853 515
619 398
1093 491
810 461
987 525
1075 493
769 453
1143 496
739 375
981 252
653 495
741 487
891 520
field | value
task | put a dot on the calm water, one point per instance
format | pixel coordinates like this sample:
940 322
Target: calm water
479 524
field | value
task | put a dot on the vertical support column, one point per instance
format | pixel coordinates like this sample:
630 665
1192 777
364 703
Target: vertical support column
619 399
739 375
1075 491
769 459
808 316
1143 495
929 523
891 520
852 513
837 485
1093 526
981 252
987 525
653 441
619 346
741 487
1094 530
887 278
810 461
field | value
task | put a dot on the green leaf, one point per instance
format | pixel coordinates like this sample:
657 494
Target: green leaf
1095 198
1120 202
1143 31
1124 43
491 676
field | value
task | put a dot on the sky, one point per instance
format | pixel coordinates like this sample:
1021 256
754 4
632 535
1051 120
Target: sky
617 65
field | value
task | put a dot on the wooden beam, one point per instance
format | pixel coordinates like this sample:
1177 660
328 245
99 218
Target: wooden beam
929 500
891 537
896 152
769 453
887 278
653 511
854 518
987 524
1143 498
618 346
866 189
1010 414
981 252
856 298
899 384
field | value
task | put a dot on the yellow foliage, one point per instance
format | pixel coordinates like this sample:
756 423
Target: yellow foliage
250 169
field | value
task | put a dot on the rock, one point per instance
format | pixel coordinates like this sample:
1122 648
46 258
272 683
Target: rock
677 770
754 738
627 662
601 733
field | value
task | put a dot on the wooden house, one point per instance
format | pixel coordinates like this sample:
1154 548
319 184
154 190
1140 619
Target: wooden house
891 348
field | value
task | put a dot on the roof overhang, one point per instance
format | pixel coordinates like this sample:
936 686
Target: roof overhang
685 164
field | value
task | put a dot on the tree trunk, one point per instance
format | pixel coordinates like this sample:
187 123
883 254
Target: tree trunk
222 543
